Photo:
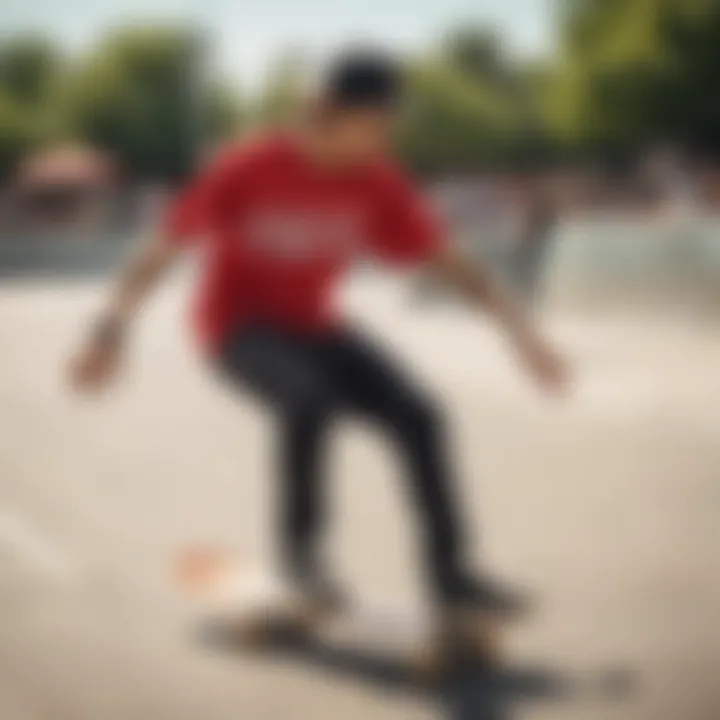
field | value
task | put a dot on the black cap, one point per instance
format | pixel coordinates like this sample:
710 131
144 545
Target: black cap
364 78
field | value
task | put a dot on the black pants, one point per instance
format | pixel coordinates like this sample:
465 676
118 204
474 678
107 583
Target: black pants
309 380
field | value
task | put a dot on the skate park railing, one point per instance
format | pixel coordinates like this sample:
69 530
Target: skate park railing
599 262
65 258
617 262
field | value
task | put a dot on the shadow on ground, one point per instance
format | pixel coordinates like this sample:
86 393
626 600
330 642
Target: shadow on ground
464 691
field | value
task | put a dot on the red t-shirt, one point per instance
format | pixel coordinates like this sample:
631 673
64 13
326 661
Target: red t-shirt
278 230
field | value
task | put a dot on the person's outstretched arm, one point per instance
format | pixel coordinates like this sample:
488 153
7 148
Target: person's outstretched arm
197 211
406 230
479 286
98 359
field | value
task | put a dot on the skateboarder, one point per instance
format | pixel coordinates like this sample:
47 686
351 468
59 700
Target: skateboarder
279 218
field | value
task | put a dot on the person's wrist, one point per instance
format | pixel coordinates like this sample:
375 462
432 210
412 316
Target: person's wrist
524 340
532 350
109 331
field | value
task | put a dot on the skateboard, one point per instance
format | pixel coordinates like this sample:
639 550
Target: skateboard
249 609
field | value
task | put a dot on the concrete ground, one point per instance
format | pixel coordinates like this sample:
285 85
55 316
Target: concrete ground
605 503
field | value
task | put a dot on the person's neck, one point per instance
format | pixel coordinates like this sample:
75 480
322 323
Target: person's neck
321 152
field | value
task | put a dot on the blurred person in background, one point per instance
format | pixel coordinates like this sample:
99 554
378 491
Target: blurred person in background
538 213
280 217
475 213
676 185
679 239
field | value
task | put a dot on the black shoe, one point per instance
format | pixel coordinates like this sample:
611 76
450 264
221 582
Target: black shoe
469 592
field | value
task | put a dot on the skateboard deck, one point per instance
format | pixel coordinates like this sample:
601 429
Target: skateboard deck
250 609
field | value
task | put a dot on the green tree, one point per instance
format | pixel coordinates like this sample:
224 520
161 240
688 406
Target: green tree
282 95
18 135
29 67
478 52
472 105
30 70
145 95
453 121
633 73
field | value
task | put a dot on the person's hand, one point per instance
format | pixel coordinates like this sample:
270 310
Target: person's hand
549 368
97 363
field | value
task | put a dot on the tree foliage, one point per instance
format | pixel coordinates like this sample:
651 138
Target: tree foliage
30 68
143 95
625 75
634 73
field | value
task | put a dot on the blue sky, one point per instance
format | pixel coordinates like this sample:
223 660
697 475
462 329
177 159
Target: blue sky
249 32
